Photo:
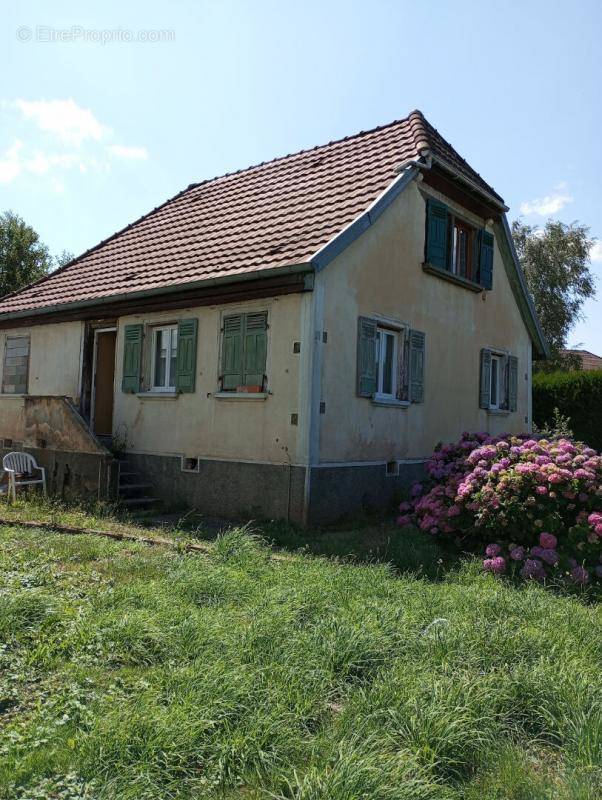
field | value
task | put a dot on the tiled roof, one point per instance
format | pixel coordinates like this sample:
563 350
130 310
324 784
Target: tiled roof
271 215
588 360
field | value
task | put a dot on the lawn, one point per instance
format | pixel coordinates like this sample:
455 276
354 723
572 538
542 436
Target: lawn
131 671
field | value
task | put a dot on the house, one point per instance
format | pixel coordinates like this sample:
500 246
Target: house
588 360
290 340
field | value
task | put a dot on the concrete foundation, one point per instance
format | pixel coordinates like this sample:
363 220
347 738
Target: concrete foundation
340 491
227 488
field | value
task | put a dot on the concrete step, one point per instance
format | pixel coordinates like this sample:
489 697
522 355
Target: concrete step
137 502
134 487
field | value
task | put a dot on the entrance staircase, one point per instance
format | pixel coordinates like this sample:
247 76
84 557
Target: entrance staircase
135 493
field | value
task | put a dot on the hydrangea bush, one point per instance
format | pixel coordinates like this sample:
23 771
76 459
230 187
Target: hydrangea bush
536 503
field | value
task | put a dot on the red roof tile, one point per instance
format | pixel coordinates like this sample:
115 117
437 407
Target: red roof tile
271 215
588 360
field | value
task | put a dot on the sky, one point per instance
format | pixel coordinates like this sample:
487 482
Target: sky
108 109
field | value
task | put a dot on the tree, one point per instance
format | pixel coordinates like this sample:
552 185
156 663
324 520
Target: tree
23 257
556 263
63 258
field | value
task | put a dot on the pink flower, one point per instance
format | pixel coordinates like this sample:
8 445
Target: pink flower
541 490
405 519
547 540
496 565
517 553
493 550
405 506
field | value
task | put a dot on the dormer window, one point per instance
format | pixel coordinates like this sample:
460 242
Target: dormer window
462 249
456 249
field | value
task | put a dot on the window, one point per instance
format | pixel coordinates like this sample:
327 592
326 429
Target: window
164 358
455 247
499 381
244 351
496 388
168 353
462 248
386 361
16 365
390 362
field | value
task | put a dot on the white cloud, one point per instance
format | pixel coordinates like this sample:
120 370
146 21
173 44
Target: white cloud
595 253
10 165
71 123
550 204
122 151
58 138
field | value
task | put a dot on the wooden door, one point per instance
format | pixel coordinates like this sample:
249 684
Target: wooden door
104 383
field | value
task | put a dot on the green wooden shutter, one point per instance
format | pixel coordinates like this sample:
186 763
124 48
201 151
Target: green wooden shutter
186 363
403 367
485 388
366 357
254 349
132 358
436 234
512 391
417 348
486 260
232 351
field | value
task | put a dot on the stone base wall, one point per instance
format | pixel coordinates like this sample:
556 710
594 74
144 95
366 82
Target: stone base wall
340 491
245 490
74 476
232 489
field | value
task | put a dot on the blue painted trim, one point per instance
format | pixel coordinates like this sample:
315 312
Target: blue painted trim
362 223
542 344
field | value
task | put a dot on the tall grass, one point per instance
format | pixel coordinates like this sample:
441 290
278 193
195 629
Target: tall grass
135 672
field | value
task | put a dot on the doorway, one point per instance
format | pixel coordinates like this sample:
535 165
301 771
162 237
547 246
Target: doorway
103 378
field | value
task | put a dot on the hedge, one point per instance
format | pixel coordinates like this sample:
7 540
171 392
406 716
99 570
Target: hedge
577 395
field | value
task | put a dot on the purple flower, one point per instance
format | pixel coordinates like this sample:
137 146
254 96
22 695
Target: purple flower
533 570
405 519
536 551
580 575
517 553
498 565
550 556
493 550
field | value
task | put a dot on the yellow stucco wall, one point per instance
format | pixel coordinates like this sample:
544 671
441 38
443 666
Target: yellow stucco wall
201 424
54 369
381 274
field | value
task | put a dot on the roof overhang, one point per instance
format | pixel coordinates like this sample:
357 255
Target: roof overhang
261 283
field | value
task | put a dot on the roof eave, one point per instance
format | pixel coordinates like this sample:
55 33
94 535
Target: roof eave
530 314
289 269
431 159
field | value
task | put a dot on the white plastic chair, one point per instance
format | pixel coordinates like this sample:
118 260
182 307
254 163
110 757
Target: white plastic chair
20 468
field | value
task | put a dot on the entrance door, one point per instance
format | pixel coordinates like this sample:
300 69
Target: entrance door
103 380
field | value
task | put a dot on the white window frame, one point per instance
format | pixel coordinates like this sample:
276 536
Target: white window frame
380 360
168 376
500 388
